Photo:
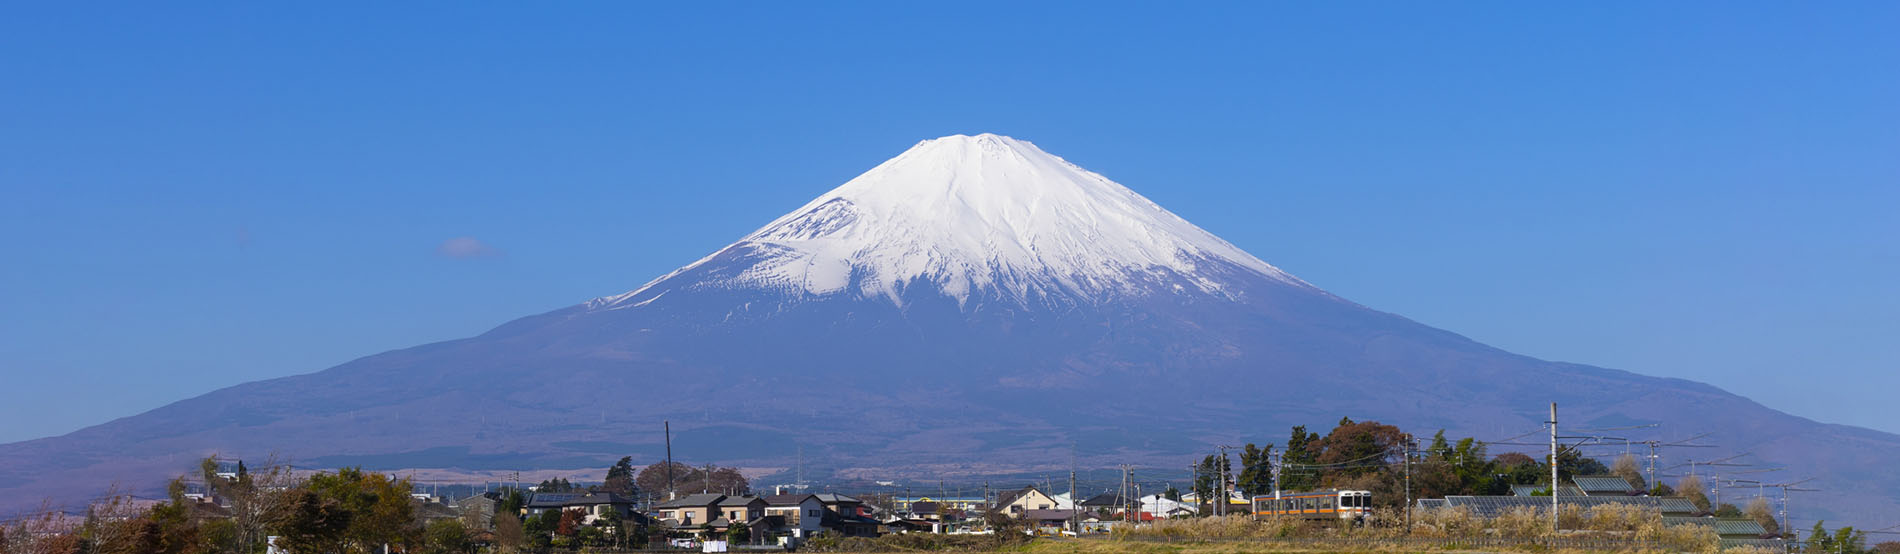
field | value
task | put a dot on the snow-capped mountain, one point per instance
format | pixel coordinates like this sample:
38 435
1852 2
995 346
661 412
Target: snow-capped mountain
973 305
982 215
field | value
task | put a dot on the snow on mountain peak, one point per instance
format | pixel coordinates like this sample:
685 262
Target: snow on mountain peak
970 214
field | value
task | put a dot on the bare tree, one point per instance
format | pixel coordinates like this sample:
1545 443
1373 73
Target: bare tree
1625 466
1759 511
1691 487
115 523
47 531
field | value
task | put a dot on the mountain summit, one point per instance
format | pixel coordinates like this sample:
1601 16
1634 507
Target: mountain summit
982 216
973 306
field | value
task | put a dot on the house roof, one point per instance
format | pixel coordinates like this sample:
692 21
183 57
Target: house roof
739 500
1603 484
552 499
787 499
1006 497
1106 499
1723 526
1048 515
564 499
692 501
835 498
1527 490
1492 506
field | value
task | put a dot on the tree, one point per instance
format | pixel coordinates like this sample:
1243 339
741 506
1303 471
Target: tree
727 480
556 484
1521 469
379 507
653 479
1172 493
1728 511
569 523
1296 473
1690 487
539 529
445 536
1355 449
1625 466
1571 462
512 503
1819 540
309 522
738 533
1207 479
1849 541
1256 470
620 478
508 533
1759 511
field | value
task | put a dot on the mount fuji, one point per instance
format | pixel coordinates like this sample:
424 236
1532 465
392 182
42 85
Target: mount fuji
974 305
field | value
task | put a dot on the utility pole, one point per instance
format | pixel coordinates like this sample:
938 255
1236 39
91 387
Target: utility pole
1652 466
1553 468
1220 482
670 492
1410 443
1278 463
1075 504
1121 495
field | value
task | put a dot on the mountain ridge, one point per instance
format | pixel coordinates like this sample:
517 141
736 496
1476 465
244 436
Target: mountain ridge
895 366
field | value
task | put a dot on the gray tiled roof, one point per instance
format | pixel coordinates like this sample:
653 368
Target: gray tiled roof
1492 506
738 500
692 500
787 499
1526 490
1723 526
1601 484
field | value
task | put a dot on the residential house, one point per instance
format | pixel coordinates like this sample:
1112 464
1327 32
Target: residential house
690 510
1050 522
1162 507
479 509
1018 503
802 514
594 505
1109 502
741 508
847 515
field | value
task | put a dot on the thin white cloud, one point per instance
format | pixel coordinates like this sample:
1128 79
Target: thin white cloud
465 248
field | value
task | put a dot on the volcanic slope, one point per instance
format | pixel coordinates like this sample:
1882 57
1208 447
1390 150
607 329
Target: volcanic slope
973 305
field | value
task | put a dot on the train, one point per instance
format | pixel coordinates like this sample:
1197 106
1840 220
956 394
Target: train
1326 505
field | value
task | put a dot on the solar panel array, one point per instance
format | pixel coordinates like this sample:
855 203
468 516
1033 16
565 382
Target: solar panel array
1602 484
1528 490
1493 506
1723 526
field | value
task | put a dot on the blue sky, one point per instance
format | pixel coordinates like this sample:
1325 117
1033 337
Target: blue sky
198 198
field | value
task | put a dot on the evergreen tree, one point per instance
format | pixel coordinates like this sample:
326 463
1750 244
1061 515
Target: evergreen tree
1296 473
1256 470
620 478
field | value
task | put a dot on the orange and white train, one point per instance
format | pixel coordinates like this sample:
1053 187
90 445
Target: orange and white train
1331 504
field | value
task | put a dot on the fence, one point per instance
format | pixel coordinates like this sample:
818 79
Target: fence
1432 543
